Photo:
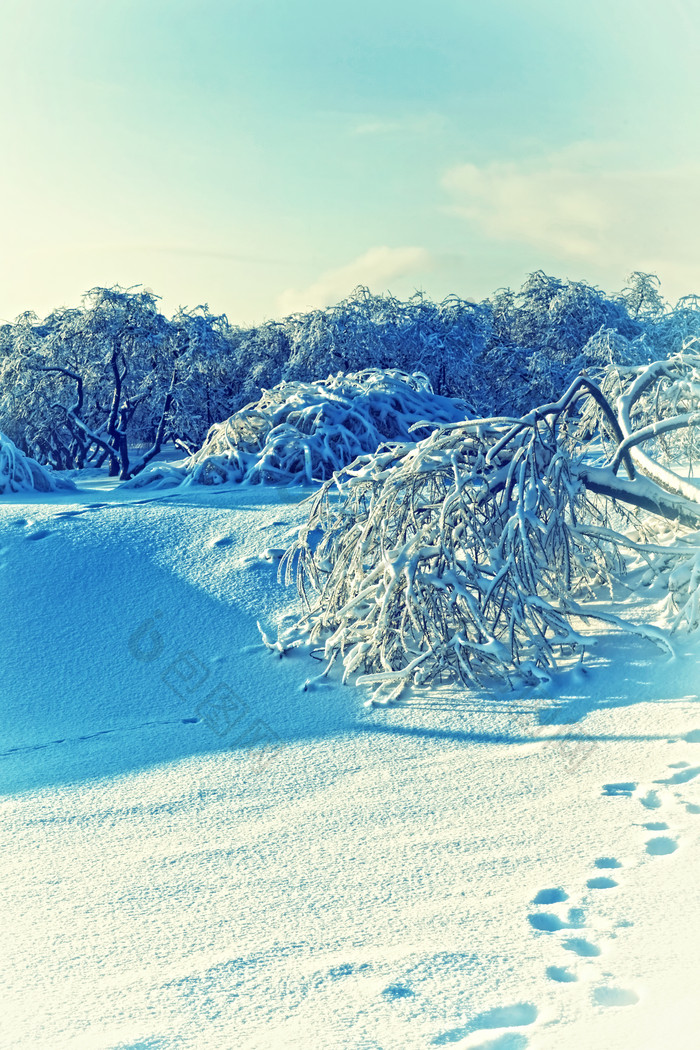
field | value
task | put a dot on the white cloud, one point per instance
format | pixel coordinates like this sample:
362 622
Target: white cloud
374 269
425 124
576 205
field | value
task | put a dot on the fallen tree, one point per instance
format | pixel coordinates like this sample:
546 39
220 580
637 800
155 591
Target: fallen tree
482 551
299 432
303 432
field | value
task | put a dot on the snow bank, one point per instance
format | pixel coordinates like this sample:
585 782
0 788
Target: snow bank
303 432
21 473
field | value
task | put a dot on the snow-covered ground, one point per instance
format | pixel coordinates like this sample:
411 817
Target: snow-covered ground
197 852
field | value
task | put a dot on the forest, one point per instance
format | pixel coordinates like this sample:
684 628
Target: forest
110 382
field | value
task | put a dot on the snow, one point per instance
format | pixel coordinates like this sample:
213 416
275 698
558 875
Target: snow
304 431
197 851
21 473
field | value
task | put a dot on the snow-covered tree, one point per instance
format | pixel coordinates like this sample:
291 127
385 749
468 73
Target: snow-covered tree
111 380
481 551
199 356
87 384
75 380
543 335
302 432
642 296
365 331
21 473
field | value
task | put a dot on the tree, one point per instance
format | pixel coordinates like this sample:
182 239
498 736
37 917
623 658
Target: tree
111 381
543 335
642 296
21 473
88 384
77 378
198 362
480 552
302 432
366 331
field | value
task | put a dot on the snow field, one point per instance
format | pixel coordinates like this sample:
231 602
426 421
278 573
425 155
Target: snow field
438 873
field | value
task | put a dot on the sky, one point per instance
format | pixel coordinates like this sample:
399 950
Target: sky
267 156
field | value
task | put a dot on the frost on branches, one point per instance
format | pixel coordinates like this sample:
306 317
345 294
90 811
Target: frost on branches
303 432
482 551
21 473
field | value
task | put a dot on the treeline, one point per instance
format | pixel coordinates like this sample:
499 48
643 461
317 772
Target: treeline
88 385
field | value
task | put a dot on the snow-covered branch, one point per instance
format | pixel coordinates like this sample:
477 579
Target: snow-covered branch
303 432
21 473
480 551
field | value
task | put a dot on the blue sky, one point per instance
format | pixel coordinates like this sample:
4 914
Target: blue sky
268 156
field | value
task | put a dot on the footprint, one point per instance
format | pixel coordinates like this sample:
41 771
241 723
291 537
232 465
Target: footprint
516 1016
607 996
506 1017
576 918
693 737
507 1041
607 862
601 884
273 553
19 522
651 800
562 974
38 535
398 991
221 541
661 846
623 789
683 777
582 947
346 969
546 922
657 825
692 807
553 896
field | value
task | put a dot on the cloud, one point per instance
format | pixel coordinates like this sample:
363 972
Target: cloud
142 248
374 269
426 124
579 205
